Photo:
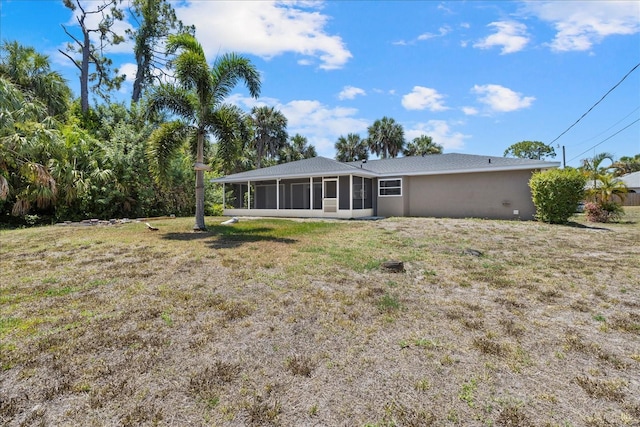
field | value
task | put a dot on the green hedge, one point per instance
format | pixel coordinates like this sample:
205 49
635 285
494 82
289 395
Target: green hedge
556 194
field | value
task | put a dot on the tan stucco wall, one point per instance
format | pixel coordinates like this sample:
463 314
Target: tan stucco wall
393 205
478 195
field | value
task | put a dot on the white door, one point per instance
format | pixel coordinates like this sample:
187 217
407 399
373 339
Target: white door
330 196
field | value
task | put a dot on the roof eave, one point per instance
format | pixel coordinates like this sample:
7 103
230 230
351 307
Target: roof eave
356 171
548 165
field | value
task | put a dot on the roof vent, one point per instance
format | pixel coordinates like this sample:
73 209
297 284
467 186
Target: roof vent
489 160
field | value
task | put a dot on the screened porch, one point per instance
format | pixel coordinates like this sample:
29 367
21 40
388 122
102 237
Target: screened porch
331 196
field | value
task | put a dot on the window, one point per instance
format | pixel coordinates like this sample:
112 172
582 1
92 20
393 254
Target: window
390 187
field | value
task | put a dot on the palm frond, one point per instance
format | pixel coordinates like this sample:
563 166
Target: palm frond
163 145
173 99
229 126
228 70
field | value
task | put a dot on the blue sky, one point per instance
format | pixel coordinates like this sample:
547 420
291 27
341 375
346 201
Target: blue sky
475 76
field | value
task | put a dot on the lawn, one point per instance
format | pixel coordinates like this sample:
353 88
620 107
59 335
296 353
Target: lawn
296 323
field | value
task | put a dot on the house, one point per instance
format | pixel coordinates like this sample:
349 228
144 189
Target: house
445 185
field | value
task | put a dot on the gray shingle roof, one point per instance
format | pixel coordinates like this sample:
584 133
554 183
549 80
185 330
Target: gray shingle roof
451 163
418 165
315 166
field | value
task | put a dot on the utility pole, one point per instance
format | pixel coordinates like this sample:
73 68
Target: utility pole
564 159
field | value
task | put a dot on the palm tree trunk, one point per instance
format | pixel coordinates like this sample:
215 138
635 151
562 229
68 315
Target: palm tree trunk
199 225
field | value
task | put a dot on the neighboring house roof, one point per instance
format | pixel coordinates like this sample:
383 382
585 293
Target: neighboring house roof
435 164
631 180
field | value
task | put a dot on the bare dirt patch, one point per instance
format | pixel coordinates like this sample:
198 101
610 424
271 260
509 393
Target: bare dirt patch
295 323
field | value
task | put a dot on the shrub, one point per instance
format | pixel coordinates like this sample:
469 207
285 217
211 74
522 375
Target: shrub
556 193
603 211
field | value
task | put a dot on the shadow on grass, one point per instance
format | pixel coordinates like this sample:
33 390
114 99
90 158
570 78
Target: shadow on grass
224 237
588 227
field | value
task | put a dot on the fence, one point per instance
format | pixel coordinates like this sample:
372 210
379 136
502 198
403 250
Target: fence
631 199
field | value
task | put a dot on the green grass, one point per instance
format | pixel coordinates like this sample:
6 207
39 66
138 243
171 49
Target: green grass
287 322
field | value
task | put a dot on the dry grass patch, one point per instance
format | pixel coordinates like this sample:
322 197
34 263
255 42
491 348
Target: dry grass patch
294 322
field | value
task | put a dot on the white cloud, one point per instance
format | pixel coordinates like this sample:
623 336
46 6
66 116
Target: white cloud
265 29
350 92
441 133
442 31
130 70
470 111
501 99
579 25
512 36
421 98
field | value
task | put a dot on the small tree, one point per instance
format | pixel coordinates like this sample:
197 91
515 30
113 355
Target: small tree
530 150
556 193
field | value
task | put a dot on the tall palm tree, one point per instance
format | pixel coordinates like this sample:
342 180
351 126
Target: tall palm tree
196 98
270 132
422 146
386 138
351 148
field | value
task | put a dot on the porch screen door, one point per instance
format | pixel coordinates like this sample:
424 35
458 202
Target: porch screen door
330 198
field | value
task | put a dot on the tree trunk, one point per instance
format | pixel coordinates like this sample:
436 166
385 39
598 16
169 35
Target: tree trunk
84 72
137 83
199 224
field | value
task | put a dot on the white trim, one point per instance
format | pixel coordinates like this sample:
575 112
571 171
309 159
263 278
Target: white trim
350 193
328 202
397 178
249 195
299 213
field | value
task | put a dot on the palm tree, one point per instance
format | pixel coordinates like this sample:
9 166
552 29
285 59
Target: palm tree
608 186
196 98
298 148
29 139
386 138
31 73
31 98
270 132
593 167
627 164
422 146
351 148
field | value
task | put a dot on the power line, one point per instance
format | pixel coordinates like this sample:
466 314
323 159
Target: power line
606 139
594 105
603 132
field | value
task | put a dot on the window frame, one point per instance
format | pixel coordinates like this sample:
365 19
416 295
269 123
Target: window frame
380 188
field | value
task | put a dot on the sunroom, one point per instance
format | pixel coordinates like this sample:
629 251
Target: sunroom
318 187
332 196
